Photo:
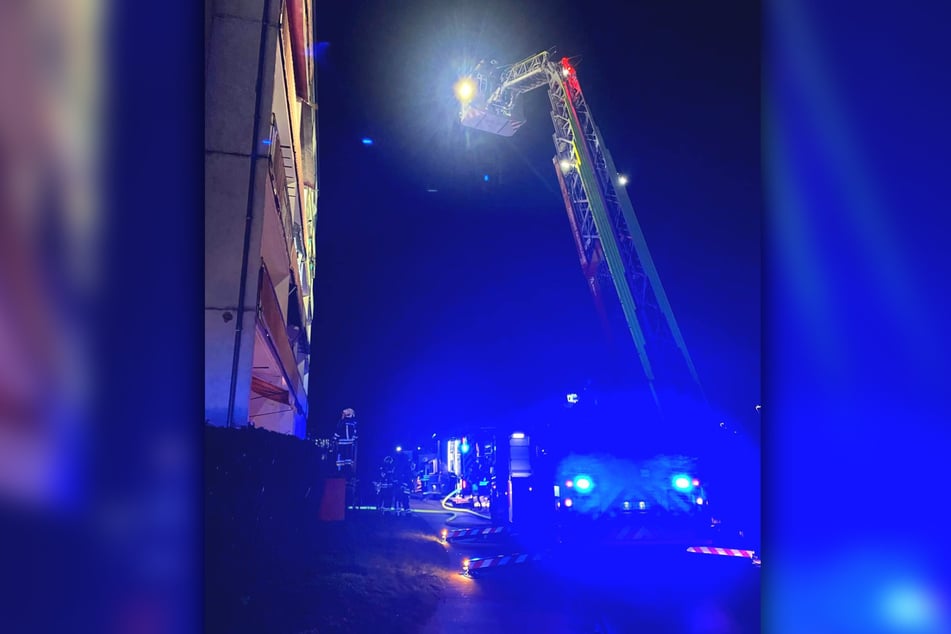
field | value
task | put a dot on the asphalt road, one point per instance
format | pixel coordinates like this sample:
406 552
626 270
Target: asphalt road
622 590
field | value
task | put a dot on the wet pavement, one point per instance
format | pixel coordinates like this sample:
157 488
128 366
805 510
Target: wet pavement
626 589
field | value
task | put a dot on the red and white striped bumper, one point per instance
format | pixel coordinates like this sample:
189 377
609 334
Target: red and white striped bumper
725 552
469 565
461 533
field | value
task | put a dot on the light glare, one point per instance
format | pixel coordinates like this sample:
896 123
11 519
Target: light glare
583 483
465 90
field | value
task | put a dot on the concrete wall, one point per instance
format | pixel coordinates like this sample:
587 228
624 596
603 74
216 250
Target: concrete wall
231 100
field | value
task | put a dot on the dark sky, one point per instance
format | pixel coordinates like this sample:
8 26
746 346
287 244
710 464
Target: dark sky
437 309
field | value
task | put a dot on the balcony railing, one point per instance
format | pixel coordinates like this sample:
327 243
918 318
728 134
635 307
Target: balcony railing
276 163
293 239
276 326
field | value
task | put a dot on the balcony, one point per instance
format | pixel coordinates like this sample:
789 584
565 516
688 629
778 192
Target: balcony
274 323
289 208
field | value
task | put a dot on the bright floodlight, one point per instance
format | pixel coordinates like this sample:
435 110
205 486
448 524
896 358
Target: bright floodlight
682 482
699 500
622 180
583 483
465 89
565 165
564 71
399 448
518 435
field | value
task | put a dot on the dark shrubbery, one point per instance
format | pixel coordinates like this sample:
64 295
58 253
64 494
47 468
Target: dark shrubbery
272 566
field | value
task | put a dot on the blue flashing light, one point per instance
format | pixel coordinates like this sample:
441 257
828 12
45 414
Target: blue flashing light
464 447
486 178
367 141
682 482
266 141
583 483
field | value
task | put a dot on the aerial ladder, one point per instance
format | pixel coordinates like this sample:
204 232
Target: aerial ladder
616 262
611 246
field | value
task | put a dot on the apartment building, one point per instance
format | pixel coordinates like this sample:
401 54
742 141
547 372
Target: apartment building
261 191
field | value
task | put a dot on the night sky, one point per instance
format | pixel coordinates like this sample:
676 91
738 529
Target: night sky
440 309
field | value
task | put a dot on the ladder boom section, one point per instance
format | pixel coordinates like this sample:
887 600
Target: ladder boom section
579 167
650 271
517 79
606 231
581 150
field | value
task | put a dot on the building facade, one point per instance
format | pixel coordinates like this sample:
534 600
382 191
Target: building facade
260 211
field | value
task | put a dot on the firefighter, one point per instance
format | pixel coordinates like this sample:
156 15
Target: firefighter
346 439
403 479
387 487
